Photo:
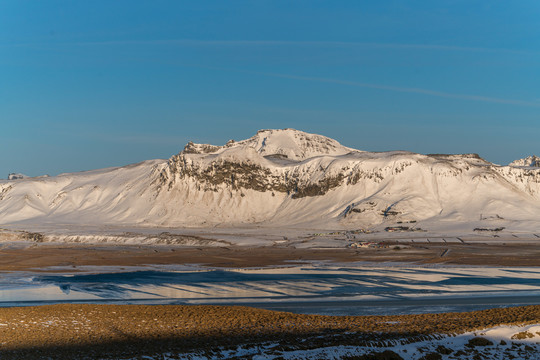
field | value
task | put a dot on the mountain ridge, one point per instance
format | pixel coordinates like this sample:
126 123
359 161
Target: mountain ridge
281 178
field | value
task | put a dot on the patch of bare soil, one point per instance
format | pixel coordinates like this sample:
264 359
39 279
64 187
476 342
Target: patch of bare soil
40 256
72 331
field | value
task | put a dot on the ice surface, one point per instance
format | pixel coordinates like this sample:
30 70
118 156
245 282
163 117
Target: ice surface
351 289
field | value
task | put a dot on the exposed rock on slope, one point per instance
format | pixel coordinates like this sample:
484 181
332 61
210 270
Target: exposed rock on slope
16 176
530 161
281 177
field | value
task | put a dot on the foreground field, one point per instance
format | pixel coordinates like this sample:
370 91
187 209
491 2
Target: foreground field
131 331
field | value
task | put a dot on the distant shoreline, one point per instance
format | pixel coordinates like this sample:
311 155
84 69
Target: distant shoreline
42 256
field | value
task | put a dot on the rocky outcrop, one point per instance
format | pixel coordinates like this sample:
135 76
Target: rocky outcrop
246 175
16 176
251 164
529 161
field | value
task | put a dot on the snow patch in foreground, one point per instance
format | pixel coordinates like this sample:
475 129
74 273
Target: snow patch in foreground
501 342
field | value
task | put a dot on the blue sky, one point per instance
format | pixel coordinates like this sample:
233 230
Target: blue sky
91 84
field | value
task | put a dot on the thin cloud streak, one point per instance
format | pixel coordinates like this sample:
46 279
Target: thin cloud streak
412 90
192 42
343 44
442 94
406 90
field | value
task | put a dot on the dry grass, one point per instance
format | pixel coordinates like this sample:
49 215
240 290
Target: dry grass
76 331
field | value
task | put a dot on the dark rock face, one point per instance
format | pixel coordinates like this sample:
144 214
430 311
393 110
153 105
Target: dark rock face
432 356
235 175
14 176
31 236
462 156
296 180
319 188
244 175
479 341
4 192
441 349
192 148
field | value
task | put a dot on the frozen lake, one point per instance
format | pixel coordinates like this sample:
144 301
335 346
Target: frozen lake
351 289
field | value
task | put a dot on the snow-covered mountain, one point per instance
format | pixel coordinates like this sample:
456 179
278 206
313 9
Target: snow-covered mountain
281 178
529 161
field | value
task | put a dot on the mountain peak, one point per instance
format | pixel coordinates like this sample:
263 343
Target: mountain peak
529 161
288 143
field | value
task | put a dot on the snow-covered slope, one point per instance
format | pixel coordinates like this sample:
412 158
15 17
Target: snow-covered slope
281 177
287 144
529 161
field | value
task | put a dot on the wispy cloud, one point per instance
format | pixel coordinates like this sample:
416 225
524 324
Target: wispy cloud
413 90
261 43
406 89
193 42
429 92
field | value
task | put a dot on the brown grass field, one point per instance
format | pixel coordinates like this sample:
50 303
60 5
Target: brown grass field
122 331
